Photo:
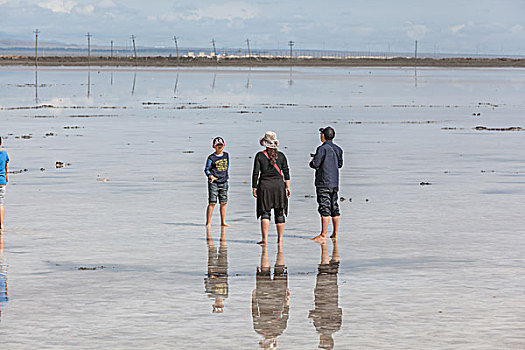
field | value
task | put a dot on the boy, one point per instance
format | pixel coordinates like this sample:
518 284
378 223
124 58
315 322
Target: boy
326 161
216 170
4 159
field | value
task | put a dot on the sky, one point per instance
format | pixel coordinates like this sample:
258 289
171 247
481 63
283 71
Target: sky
441 26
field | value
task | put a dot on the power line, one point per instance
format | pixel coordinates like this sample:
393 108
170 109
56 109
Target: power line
214 49
134 47
176 46
36 31
89 46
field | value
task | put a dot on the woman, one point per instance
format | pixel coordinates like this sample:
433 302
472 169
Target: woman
271 186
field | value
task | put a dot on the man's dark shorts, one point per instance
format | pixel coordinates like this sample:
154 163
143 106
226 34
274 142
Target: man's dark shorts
219 191
327 198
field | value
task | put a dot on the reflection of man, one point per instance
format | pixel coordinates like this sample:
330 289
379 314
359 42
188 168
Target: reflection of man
216 281
271 299
327 315
3 274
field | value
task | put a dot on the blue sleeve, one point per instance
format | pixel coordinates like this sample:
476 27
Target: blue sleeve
207 167
228 164
318 158
340 163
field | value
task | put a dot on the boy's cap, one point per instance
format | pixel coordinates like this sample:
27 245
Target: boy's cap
218 141
328 132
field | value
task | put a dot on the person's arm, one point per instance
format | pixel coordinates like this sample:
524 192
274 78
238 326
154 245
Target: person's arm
255 174
318 158
286 172
6 161
207 167
207 170
340 163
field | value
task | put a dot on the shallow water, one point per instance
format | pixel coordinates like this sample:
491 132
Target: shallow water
437 266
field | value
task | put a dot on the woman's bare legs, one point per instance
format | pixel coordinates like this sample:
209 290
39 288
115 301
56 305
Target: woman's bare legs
265 226
280 232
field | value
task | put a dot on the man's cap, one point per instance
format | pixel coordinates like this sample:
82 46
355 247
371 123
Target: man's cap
328 132
218 141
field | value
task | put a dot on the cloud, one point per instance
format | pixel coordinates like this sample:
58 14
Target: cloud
230 11
106 4
415 31
58 6
457 28
285 28
2 2
86 10
517 29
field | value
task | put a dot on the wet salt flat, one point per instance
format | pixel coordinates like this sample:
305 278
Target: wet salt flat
110 251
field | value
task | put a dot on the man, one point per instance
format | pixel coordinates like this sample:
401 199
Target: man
326 161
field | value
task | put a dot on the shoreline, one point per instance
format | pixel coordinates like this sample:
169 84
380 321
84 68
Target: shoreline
101 61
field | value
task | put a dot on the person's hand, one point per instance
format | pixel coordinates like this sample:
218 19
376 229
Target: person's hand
288 192
254 192
212 178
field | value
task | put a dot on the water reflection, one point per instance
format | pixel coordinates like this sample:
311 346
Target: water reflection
271 299
36 86
3 274
134 81
88 84
290 81
176 85
213 82
216 280
327 316
248 84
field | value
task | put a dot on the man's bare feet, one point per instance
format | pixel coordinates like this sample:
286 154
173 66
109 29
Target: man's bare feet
208 225
319 239
262 243
225 225
333 236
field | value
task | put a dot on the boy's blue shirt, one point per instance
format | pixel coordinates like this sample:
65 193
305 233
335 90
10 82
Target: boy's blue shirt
4 159
218 166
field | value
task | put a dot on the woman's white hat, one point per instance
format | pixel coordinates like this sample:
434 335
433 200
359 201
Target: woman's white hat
269 140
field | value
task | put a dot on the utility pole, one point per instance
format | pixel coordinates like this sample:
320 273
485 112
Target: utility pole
111 49
415 50
36 31
134 48
214 49
176 46
249 52
291 43
89 46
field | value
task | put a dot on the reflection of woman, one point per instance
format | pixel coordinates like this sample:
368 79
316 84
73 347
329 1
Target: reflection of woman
271 185
270 300
327 315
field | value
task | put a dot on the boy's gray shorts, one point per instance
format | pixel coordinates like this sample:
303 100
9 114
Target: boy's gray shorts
2 194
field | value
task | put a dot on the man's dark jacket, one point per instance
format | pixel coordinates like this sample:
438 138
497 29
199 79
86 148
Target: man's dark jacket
327 160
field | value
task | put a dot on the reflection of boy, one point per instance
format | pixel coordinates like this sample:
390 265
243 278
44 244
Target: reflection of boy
3 275
216 170
216 282
4 159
